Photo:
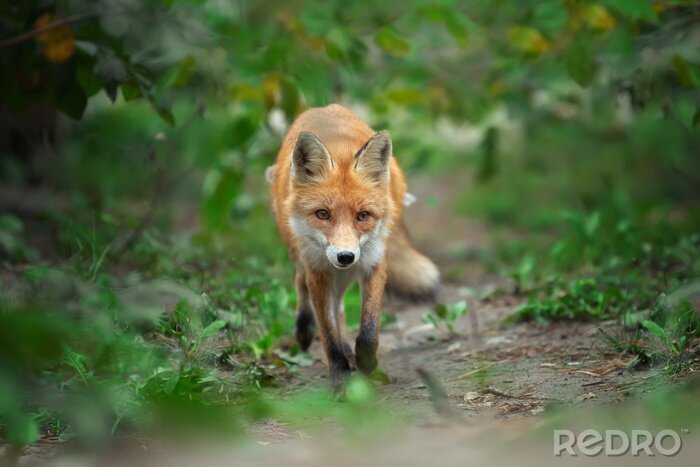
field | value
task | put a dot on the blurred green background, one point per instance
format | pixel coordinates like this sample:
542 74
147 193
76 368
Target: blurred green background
135 135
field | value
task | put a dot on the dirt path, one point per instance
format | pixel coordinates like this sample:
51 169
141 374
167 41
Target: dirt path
488 371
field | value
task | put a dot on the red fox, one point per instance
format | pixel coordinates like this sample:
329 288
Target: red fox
337 194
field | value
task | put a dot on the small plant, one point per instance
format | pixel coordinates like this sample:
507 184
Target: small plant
445 316
602 297
523 273
674 328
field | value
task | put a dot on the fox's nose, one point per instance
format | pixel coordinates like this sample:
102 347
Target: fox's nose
346 257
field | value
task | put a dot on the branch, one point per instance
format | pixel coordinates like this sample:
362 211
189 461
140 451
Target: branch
38 31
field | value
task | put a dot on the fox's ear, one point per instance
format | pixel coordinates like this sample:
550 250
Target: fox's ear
310 158
372 160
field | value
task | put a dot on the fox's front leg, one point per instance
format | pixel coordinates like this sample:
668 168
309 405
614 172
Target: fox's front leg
323 299
372 288
305 313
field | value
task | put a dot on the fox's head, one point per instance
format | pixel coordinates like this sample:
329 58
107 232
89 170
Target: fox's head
341 205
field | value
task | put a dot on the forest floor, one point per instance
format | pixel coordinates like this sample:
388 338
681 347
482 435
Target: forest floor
491 388
509 370
490 379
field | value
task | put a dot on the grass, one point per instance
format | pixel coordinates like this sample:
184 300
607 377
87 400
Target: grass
444 317
606 231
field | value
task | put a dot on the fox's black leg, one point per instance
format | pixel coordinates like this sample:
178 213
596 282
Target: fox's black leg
305 313
320 294
372 288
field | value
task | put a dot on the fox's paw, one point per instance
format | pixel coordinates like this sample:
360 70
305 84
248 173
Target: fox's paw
366 356
339 374
305 330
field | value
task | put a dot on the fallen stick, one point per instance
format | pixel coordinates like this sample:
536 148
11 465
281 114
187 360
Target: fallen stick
482 368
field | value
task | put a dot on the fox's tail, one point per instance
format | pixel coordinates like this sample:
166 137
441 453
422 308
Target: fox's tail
411 276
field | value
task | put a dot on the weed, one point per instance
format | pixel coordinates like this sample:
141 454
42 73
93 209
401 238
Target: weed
444 317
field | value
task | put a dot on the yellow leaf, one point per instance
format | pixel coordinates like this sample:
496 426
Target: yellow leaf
496 88
529 40
57 44
271 89
599 18
407 96
246 92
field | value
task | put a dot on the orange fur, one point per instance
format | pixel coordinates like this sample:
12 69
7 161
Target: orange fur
342 169
343 133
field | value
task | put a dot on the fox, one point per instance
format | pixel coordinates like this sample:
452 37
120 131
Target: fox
337 194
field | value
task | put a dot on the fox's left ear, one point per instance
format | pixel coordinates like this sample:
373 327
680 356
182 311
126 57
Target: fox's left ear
311 160
372 160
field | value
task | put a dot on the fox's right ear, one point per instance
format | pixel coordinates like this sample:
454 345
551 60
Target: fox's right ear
310 158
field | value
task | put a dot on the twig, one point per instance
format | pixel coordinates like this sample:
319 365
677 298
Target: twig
482 368
497 392
595 383
10 41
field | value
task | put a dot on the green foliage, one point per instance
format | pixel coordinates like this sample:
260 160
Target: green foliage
112 354
618 287
445 317
150 289
309 48
662 335
12 244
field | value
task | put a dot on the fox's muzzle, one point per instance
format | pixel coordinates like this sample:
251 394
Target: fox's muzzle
342 257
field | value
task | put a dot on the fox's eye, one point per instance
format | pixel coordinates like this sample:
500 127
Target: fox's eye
363 216
323 214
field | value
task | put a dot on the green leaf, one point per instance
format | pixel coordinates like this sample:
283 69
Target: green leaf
526 267
457 310
391 42
580 64
381 377
441 310
550 16
488 160
170 384
456 25
428 318
213 328
221 189
73 104
111 71
164 112
88 79
184 71
167 79
655 329
687 76
130 90
592 224
63 77
696 118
